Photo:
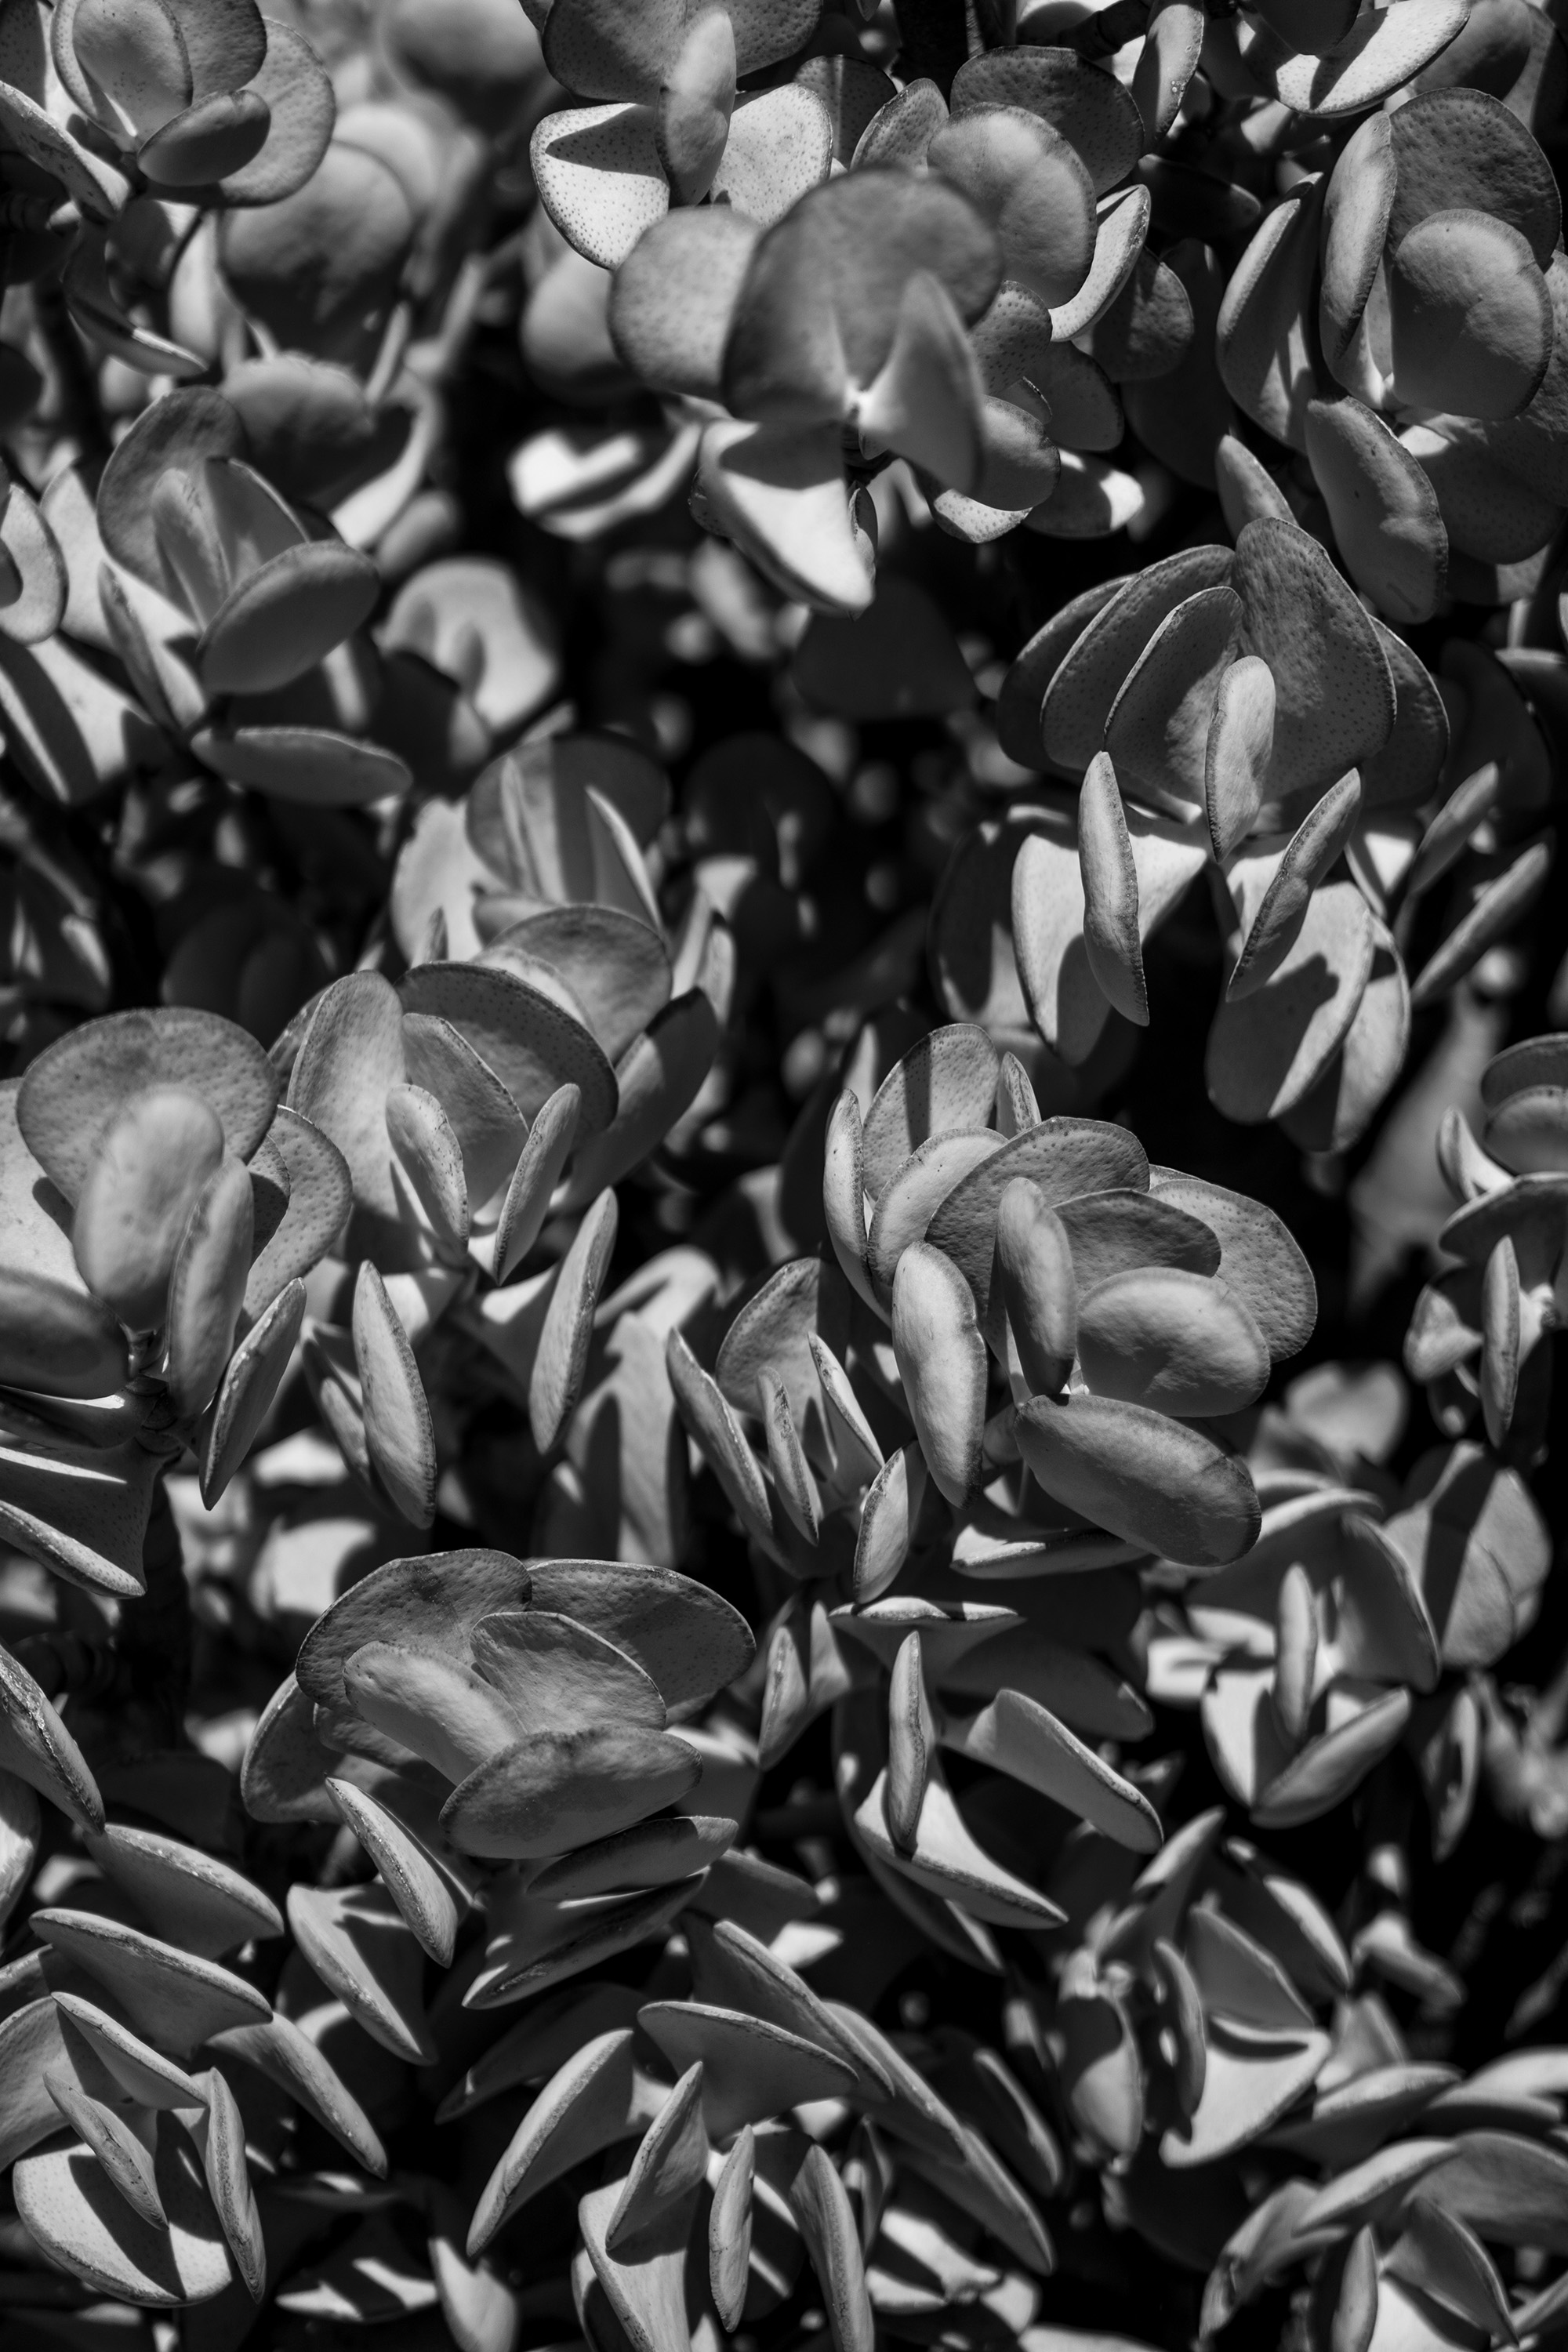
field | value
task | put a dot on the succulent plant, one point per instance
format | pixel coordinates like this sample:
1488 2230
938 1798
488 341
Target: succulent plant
781 1183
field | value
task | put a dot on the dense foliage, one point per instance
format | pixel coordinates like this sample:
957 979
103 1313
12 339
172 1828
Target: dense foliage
784 1175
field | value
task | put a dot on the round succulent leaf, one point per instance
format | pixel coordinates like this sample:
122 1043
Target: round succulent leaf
1385 510
1085 412
1064 1157
687 1638
171 435
1268 1049
281 620
559 1788
1247 2086
219 134
1179 1342
153 1159
1528 1131
1146 329
1470 316
530 1044
431 1603
174 1997
675 294
309 765
1339 1109
1157 729
78 1084
35 1746
38 607
1019 1737
780 146
1310 853
942 1361
399 1432
1146 1477
1263 336
778 492
1028 182
901 130
1465 148
89 179
1408 766
646 2296
314 264
1335 695
751 2068
1331 1766
1087 106
949 1861
293 84
1501 2185
131 55
1377 56
1486 512
1022 698
926 402
1086 683
1166 64
1357 207
945 1083
206 1286
819 305
910 1198
82 2224
189 1897
1529 445
600 178
356 1942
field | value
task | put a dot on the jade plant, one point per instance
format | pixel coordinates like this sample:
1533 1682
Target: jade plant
782 1174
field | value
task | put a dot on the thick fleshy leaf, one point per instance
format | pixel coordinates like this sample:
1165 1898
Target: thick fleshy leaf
1147 1479
357 1943
794 354
1039 1287
675 292
248 1389
79 1082
1310 854
1465 148
947 1860
589 2102
82 2224
777 491
1268 1049
279 621
1470 314
1079 696
1247 2084
293 85
1264 334
751 2067
35 1746
942 1361
646 2292
290 2059
1334 700
1087 105
431 1602
176 2000
1383 509
1019 1737
398 1429
1028 180
1375 57
945 1083
1110 920
206 1288
562 1789
911 1196
1157 728
1178 1341
826 2218
1064 1157
188 1897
